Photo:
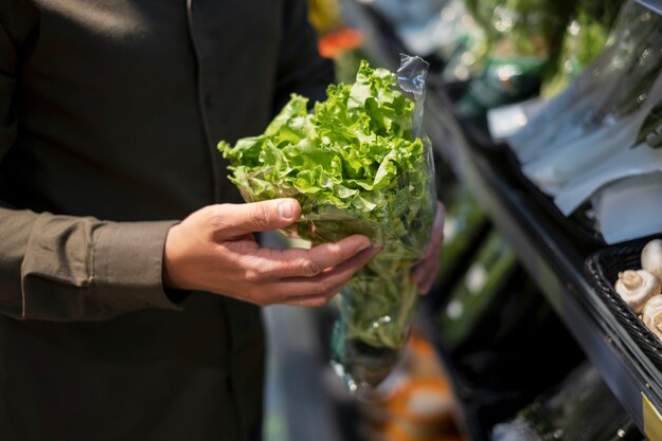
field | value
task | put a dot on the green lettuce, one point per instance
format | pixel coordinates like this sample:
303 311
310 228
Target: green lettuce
356 167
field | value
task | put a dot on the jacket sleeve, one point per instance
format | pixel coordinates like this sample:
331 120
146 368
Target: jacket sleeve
301 69
65 268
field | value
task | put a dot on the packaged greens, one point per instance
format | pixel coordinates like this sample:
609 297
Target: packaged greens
461 41
584 40
521 37
612 89
360 164
473 296
464 225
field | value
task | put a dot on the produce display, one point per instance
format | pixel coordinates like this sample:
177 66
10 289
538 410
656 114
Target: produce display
360 164
613 86
641 289
473 295
592 147
584 39
580 408
464 225
521 36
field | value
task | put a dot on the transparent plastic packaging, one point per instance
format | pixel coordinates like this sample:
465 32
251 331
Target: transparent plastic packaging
520 39
361 164
610 90
584 39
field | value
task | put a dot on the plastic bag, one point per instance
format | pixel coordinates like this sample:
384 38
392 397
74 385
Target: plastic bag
462 44
360 165
613 87
521 36
584 39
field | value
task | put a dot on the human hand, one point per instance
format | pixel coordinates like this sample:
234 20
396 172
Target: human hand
425 272
214 250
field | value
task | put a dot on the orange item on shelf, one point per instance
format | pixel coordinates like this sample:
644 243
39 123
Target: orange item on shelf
418 405
338 42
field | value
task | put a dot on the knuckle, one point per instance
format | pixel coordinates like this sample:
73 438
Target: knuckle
310 268
218 216
261 215
324 287
252 276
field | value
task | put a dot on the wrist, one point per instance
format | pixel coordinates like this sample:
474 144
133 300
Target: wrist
169 274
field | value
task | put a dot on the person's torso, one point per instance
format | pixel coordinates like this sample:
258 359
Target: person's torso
120 104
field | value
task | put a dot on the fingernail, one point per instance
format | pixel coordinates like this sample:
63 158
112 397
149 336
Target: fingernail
286 210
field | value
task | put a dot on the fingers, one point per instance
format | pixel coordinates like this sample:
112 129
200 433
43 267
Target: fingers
311 301
306 290
438 227
236 220
277 264
425 273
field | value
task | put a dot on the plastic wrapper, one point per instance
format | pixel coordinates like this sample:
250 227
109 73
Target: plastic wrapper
584 39
630 209
361 164
521 37
462 42
611 89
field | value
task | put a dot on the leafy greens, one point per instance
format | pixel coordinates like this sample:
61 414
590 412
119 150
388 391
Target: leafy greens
356 167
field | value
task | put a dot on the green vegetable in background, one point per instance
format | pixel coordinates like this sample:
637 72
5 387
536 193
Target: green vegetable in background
521 41
355 166
585 38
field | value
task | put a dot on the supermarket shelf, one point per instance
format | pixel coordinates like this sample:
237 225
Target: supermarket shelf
556 266
554 262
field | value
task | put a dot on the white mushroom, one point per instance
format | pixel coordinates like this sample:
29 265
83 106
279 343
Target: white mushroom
653 315
636 287
651 258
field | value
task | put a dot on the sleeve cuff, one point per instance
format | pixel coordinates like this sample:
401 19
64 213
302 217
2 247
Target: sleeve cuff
128 265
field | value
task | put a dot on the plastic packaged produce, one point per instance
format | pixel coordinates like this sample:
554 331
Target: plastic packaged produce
555 175
521 37
461 42
580 408
471 298
608 94
465 224
629 209
360 164
584 39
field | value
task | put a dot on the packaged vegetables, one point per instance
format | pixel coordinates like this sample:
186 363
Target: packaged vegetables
584 39
519 44
360 164
586 143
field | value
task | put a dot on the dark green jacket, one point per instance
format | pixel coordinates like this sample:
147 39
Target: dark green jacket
110 111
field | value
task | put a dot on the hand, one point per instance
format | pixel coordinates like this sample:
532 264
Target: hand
425 272
214 250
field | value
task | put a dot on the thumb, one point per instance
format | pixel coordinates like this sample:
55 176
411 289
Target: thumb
242 219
